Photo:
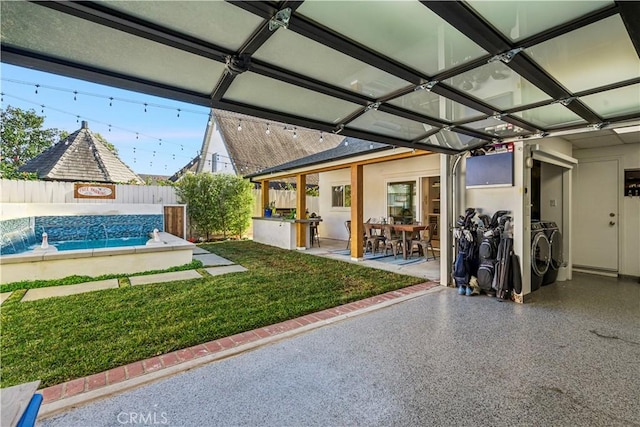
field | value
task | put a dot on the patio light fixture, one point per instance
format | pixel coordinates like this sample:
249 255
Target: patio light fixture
505 57
280 19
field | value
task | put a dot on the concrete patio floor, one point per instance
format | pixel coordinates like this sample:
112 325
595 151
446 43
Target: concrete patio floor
569 357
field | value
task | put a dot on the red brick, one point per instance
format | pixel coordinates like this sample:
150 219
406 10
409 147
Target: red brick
250 336
74 387
52 393
213 346
185 354
169 359
303 320
311 318
152 364
323 315
238 339
226 343
134 369
262 333
96 381
116 375
199 350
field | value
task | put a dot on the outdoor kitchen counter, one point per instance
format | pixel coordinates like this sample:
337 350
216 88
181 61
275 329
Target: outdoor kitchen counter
280 232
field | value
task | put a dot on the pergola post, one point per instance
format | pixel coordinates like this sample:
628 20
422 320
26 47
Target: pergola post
265 196
357 211
301 207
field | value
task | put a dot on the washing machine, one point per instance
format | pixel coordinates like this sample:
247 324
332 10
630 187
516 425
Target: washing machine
540 254
556 257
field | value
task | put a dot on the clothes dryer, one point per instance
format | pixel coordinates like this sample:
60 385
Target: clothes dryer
540 254
556 259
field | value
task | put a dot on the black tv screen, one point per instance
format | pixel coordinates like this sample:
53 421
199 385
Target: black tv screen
490 170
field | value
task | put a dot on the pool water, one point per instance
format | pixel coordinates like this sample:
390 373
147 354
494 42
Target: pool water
70 245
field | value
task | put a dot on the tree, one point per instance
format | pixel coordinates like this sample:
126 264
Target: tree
23 138
216 203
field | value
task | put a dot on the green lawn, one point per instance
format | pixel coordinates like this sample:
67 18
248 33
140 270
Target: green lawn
59 339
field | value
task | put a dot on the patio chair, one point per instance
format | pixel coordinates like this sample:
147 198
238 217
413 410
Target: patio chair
347 225
313 233
392 240
371 239
423 242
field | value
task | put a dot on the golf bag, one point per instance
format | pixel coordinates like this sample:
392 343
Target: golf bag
466 262
488 251
502 280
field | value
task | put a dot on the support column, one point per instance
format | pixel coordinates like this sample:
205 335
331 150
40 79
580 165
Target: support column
301 207
265 196
357 211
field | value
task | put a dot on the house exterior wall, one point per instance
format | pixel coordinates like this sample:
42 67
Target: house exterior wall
376 177
628 156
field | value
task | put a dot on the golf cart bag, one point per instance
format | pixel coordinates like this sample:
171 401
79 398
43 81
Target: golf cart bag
502 279
466 262
488 251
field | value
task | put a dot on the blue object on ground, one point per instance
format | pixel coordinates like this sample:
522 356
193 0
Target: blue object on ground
28 419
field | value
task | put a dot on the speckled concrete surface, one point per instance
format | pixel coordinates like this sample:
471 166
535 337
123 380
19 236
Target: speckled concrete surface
570 357
4 296
217 271
164 277
209 260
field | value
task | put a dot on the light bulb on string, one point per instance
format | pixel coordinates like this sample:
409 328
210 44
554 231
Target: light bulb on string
77 119
110 102
295 134
37 86
109 128
145 107
268 130
160 141
239 125
321 137
151 164
42 111
154 153
75 95
181 147
137 135
178 112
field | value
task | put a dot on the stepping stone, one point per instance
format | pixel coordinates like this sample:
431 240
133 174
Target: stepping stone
61 291
216 271
199 251
165 277
4 296
210 260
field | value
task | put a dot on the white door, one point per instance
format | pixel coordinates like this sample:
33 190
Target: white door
595 228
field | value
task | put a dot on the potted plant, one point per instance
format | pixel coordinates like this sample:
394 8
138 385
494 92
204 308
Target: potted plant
269 209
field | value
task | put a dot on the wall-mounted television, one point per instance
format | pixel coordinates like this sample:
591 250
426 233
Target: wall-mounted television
492 170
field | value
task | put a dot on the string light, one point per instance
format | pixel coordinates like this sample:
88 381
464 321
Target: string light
109 128
160 141
110 102
42 111
145 107
295 134
75 95
37 86
268 130
321 138
239 125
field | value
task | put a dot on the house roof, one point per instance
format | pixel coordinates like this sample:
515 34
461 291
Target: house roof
251 149
350 147
80 157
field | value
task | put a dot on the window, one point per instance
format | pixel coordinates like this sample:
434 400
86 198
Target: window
401 198
341 196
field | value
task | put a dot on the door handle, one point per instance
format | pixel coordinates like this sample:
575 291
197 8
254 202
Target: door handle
611 223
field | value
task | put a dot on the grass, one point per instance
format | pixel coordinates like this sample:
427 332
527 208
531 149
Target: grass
59 339
74 280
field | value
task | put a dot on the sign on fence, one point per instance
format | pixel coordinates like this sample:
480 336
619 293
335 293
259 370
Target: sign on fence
94 191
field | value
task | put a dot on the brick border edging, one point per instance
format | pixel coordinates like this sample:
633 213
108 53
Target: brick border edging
220 347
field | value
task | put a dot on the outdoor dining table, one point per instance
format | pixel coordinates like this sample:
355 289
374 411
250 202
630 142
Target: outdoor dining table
411 228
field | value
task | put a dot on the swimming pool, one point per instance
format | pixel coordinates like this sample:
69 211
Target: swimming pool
70 245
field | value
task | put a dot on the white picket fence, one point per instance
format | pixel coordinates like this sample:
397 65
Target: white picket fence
62 192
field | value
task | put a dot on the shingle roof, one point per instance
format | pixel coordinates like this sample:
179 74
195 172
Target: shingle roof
80 157
251 149
350 147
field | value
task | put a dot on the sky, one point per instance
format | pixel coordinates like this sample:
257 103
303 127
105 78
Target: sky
159 141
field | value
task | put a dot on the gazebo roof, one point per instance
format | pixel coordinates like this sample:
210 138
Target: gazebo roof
81 157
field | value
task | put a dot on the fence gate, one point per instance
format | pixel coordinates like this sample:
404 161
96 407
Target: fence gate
174 220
